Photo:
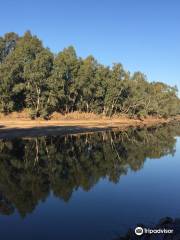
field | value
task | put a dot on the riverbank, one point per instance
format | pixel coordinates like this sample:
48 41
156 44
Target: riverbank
19 127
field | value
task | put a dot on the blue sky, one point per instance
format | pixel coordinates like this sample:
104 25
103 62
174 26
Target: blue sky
142 35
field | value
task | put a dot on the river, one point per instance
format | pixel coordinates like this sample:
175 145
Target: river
88 186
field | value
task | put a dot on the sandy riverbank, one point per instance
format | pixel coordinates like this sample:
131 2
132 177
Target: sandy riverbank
21 128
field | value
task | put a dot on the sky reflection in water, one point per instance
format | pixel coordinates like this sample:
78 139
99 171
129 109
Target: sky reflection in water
88 186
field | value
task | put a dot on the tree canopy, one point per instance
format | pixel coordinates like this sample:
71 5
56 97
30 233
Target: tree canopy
32 77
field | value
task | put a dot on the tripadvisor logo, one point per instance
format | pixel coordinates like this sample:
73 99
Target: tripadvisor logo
139 231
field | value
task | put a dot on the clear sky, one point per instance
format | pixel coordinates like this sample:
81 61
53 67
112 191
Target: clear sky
142 35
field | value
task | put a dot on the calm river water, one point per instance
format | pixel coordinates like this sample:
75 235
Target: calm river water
90 186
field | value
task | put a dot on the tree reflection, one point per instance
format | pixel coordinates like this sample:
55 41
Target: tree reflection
31 168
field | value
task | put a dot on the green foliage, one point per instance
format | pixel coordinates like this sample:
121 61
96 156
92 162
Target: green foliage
86 83
62 83
7 45
36 86
32 77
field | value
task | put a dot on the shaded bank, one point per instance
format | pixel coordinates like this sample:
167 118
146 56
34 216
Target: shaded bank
21 128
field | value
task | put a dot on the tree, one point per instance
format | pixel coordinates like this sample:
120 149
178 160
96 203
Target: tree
7 44
63 88
12 72
86 83
36 87
102 75
32 77
116 89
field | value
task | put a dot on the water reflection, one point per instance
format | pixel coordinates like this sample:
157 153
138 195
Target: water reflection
32 168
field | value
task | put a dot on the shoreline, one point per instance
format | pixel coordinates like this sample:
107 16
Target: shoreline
24 128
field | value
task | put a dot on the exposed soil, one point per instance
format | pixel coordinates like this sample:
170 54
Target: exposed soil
23 128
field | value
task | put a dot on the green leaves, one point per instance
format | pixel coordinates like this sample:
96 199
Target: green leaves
36 77
62 82
7 45
32 77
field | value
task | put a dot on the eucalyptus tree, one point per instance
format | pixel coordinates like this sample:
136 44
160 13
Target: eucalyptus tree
102 75
7 44
166 101
116 89
136 102
12 79
32 77
86 86
36 86
63 80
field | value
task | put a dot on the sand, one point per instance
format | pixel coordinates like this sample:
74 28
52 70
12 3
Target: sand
22 128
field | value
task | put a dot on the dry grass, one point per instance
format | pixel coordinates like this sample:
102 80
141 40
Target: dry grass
77 116
86 116
20 124
23 115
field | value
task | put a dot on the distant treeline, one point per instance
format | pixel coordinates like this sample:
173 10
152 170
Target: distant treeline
34 78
